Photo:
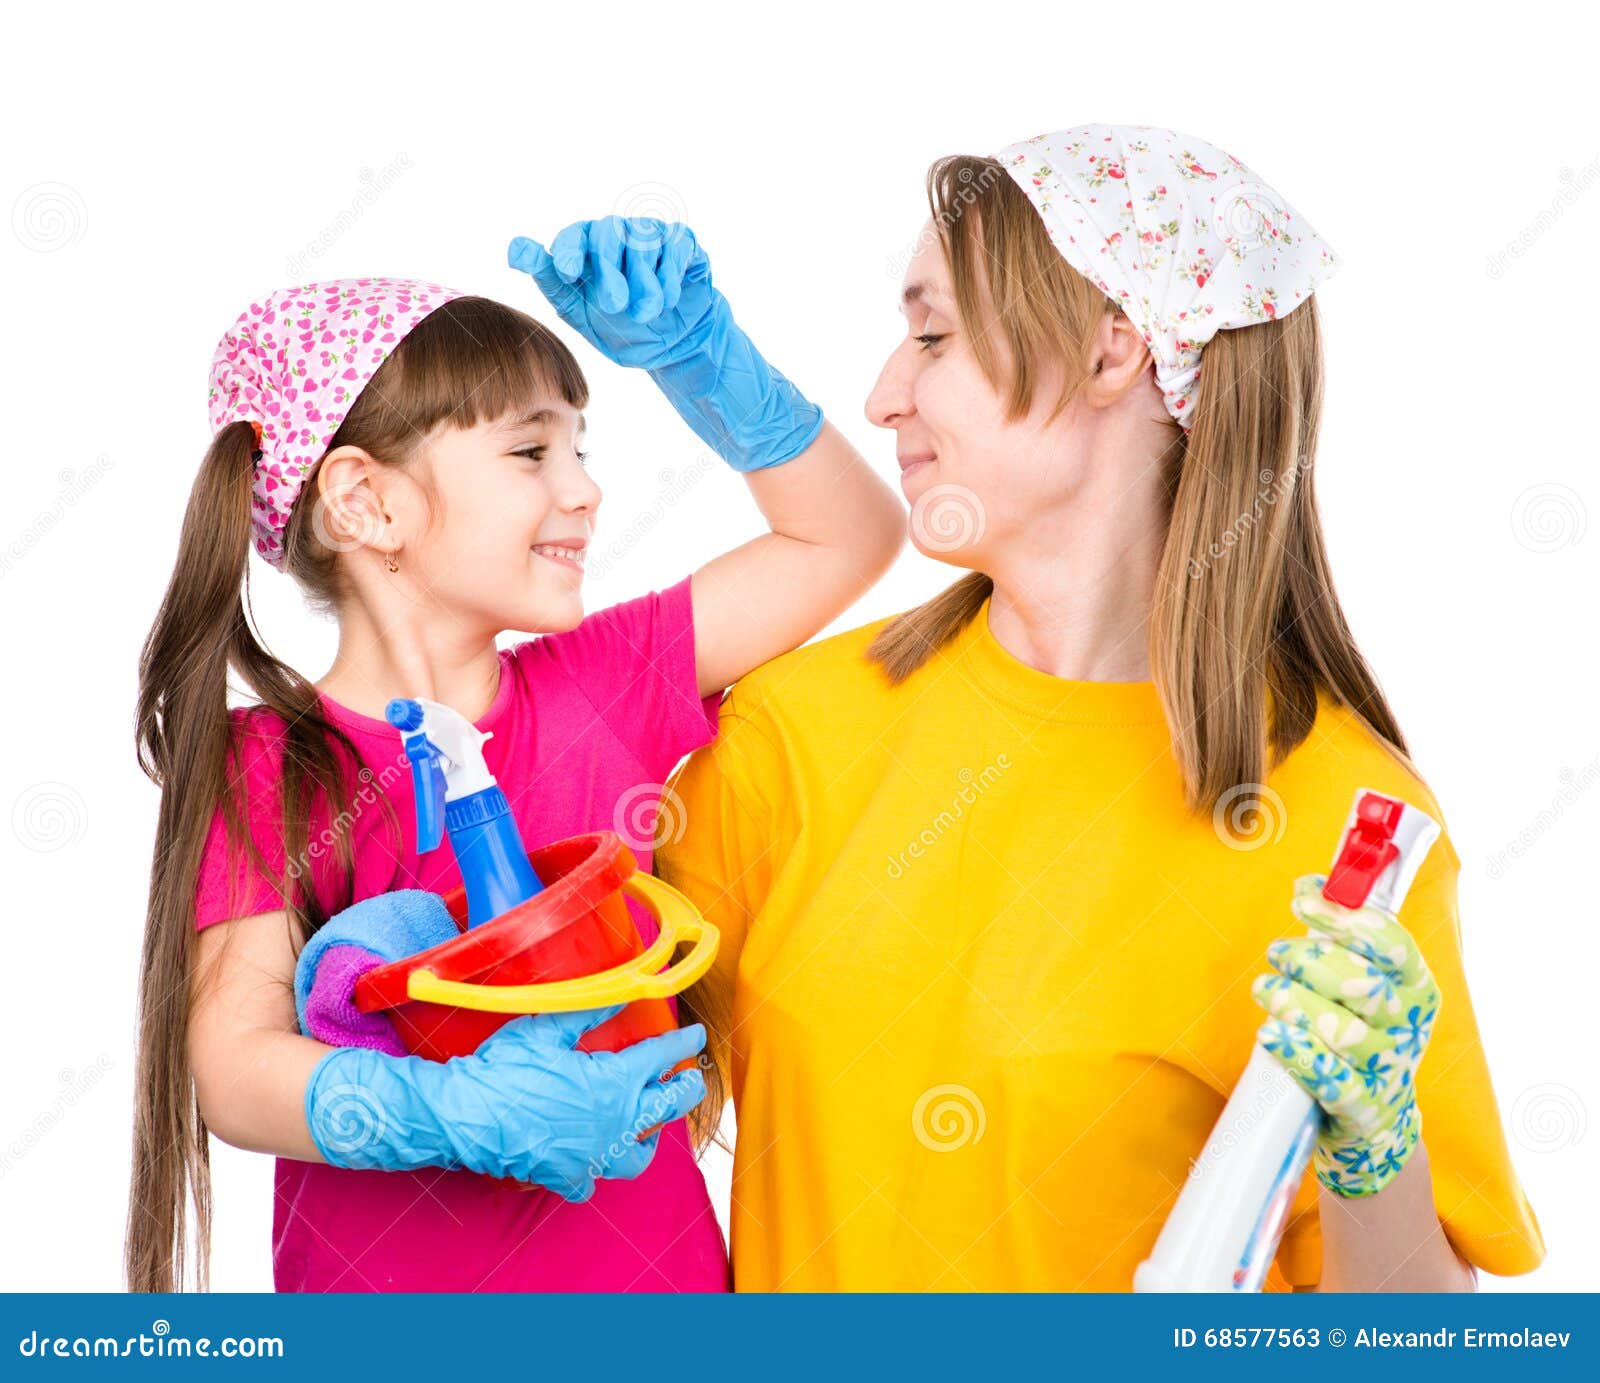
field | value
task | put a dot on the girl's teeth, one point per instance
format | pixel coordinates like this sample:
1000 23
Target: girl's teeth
563 552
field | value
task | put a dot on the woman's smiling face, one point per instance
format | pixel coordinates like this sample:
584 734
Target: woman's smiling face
972 475
499 538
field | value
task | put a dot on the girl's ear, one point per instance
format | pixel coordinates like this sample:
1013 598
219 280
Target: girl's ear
351 502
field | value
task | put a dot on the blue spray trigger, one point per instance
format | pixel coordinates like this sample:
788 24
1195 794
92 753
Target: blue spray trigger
458 797
427 773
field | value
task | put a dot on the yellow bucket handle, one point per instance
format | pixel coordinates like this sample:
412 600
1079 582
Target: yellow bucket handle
639 978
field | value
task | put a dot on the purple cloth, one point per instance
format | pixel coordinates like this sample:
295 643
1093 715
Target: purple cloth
331 1012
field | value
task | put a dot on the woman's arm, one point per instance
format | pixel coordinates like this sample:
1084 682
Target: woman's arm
836 528
1391 1242
250 1063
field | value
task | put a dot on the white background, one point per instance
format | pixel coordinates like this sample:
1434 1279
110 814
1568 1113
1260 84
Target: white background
162 172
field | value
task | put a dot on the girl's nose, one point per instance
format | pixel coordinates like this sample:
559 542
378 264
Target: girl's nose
578 492
889 403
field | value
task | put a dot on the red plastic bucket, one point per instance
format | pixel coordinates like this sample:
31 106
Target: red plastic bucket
572 946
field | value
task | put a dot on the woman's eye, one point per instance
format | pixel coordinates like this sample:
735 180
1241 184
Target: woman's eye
926 342
583 458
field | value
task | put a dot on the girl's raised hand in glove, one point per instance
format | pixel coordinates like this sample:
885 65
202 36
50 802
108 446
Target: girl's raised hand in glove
639 290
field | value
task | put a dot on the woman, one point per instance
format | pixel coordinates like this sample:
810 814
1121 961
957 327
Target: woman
994 876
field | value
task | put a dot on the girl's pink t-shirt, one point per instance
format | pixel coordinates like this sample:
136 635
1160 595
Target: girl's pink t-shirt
588 725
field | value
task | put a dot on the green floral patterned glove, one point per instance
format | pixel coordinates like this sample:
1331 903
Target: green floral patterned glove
1352 1008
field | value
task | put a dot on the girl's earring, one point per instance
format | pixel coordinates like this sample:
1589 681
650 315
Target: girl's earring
390 563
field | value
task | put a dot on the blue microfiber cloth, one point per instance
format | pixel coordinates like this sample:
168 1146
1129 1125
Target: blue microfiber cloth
392 925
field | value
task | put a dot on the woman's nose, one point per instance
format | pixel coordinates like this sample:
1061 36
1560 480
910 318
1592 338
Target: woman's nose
890 399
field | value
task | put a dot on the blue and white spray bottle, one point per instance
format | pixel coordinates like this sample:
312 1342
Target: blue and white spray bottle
457 794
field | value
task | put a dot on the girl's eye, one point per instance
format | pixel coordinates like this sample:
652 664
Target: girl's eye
537 454
926 342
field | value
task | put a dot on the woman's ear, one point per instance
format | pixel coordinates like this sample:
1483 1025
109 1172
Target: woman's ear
352 511
1118 359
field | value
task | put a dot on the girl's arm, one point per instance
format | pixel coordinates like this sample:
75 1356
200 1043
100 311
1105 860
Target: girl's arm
1391 1242
640 292
249 1060
835 529
526 1104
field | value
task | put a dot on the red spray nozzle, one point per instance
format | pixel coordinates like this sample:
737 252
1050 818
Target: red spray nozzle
1368 848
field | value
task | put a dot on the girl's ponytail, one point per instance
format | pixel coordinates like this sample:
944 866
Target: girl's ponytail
185 745
181 727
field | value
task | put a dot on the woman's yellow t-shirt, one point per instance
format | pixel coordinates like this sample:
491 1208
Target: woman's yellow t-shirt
991 981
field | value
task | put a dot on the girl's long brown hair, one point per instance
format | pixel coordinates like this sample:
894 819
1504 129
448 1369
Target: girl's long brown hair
468 361
1246 628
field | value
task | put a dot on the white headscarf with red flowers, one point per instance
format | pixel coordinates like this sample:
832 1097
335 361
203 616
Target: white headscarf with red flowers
1182 236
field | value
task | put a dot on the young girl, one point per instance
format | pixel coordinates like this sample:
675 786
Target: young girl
411 456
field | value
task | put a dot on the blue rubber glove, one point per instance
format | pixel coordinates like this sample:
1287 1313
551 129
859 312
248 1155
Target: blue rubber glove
639 290
525 1105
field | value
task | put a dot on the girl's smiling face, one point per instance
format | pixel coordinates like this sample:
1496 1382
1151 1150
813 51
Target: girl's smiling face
497 525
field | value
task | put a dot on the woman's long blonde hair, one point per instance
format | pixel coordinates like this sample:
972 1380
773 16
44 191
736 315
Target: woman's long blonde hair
1246 628
470 360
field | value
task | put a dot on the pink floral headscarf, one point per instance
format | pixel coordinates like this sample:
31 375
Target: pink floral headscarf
292 365
1182 236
